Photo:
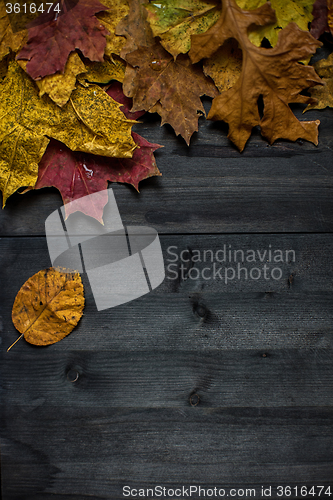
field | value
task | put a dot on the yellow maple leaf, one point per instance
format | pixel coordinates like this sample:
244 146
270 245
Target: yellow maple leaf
324 95
90 122
9 41
118 9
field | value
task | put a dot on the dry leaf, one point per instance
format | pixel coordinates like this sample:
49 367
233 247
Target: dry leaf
48 306
9 41
319 24
135 28
297 11
174 21
104 72
225 65
52 40
60 86
324 95
117 10
90 122
176 86
274 74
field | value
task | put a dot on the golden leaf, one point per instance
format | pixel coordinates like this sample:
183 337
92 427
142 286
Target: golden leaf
324 95
9 40
90 122
104 72
118 9
225 66
297 11
60 86
48 306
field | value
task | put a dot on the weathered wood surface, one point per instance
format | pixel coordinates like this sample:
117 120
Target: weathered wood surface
200 382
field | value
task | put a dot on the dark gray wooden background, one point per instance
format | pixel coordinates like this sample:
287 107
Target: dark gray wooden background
198 382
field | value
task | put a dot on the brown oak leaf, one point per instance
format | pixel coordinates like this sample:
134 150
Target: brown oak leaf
274 74
170 87
52 39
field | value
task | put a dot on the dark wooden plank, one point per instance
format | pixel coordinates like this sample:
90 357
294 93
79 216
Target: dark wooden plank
95 451
158 378
211 187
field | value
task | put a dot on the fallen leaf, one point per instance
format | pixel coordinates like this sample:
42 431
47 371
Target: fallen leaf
118 9
48 306
274 74
174 21
135 28
297 11
103 72
319 24
77 175
52 40
330 15
324 95
9 41
175 85
60 86
90 122
225 65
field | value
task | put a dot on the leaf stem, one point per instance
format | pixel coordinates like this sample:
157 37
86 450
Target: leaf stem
15 342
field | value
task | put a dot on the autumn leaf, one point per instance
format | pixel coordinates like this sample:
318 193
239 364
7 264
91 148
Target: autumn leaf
172 88
296 11
174 21
60 86
322 17
324 95
274 74
117 10
90 122
9 41
225 65
116 92
135 28
53 38
48 306
103 72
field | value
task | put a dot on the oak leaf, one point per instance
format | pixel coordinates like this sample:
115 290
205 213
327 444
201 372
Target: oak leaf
118 9
53 38
60 86
48 306
274 74
90 122
172 88
9 41
297 11
174 21
324 95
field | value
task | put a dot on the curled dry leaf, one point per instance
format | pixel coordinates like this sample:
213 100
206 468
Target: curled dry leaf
274 74
324 95
51 39
48 306
172 88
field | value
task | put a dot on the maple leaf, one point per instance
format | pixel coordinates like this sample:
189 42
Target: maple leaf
9 41
274 74
174 21
52 40
172 88
60 86
77 175
324 95
48 306
90 122
103 72
225 65
322 18
118 9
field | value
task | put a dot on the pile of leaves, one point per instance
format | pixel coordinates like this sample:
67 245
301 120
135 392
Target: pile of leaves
75 81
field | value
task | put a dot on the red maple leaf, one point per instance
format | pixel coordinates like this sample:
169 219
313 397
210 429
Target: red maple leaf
53 37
